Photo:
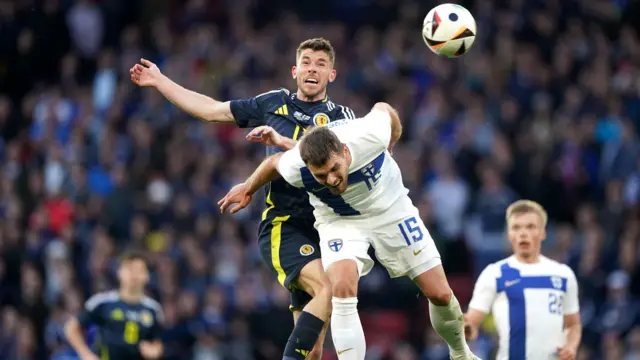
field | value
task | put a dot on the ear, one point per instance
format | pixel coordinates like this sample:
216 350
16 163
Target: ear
332 75
544 235
293 71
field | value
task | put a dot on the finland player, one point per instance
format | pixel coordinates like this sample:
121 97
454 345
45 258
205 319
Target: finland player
288 242
533 299
360 201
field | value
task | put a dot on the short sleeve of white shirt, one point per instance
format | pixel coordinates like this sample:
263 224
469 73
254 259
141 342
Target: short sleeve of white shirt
485 290
374 129
571 303
289 167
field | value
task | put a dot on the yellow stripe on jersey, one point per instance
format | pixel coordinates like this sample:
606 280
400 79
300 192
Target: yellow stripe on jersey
104 353
269 207
296 132
282 110
276 239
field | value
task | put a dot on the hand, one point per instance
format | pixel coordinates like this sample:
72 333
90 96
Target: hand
89 356
237 195
470 331
266 135
566 353
145 74
150 350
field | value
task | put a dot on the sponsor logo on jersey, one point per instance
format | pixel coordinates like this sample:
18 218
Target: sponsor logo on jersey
320 119
335 245
300 116
511 283
306 250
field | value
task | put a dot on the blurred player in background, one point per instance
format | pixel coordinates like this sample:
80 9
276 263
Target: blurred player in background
129 323
360 201
533 299
287 239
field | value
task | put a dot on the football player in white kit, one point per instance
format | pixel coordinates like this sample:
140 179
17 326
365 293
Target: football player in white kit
360 201
533 299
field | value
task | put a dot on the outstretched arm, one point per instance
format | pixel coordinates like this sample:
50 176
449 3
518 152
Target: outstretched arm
198 105
242 194
266 171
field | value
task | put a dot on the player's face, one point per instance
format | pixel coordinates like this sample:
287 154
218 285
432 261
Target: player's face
313 72
133 275
333 174
526 233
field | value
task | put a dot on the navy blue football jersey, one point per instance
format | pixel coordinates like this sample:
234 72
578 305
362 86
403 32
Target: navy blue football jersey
121 325
289 116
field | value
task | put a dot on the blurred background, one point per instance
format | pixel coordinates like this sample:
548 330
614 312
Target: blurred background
546 106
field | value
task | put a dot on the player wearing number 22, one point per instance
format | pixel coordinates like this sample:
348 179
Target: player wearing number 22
534 300
359 201
129 323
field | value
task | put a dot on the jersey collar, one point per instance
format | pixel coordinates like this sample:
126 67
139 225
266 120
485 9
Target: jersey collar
297 101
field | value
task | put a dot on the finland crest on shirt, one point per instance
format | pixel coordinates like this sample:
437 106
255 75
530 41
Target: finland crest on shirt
528 303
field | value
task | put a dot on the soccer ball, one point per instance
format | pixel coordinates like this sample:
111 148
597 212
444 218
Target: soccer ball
449 30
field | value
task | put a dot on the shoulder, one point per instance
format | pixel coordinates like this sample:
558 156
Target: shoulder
291 160
339 112
102 298
152 305
279 93
557 268
494 270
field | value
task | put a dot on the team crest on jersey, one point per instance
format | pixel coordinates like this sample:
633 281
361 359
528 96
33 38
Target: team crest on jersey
306 250
117 315
335 245
146 318
556 282
320 119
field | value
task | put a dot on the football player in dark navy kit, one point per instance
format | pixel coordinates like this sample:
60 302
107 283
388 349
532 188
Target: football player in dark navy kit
129 323
287 237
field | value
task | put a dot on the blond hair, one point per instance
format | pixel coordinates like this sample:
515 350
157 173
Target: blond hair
527 206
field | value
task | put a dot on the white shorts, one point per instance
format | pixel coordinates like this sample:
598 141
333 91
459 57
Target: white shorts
400 239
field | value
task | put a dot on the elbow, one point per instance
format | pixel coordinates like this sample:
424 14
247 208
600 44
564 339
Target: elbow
218 112
70 327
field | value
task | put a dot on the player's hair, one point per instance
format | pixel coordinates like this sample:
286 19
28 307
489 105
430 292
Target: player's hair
318 144
527 206
317 44
132 255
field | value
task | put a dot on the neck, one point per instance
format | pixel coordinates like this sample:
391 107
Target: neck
528 260
131 296
302 97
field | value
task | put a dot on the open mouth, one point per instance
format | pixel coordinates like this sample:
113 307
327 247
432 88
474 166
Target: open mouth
311 81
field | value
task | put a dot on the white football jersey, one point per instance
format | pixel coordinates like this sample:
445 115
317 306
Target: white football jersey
374 181
528 303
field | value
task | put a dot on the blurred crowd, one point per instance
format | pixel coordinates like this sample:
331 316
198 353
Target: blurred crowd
546 106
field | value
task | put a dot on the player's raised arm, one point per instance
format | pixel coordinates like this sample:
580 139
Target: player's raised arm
396 125
201 106
382 125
